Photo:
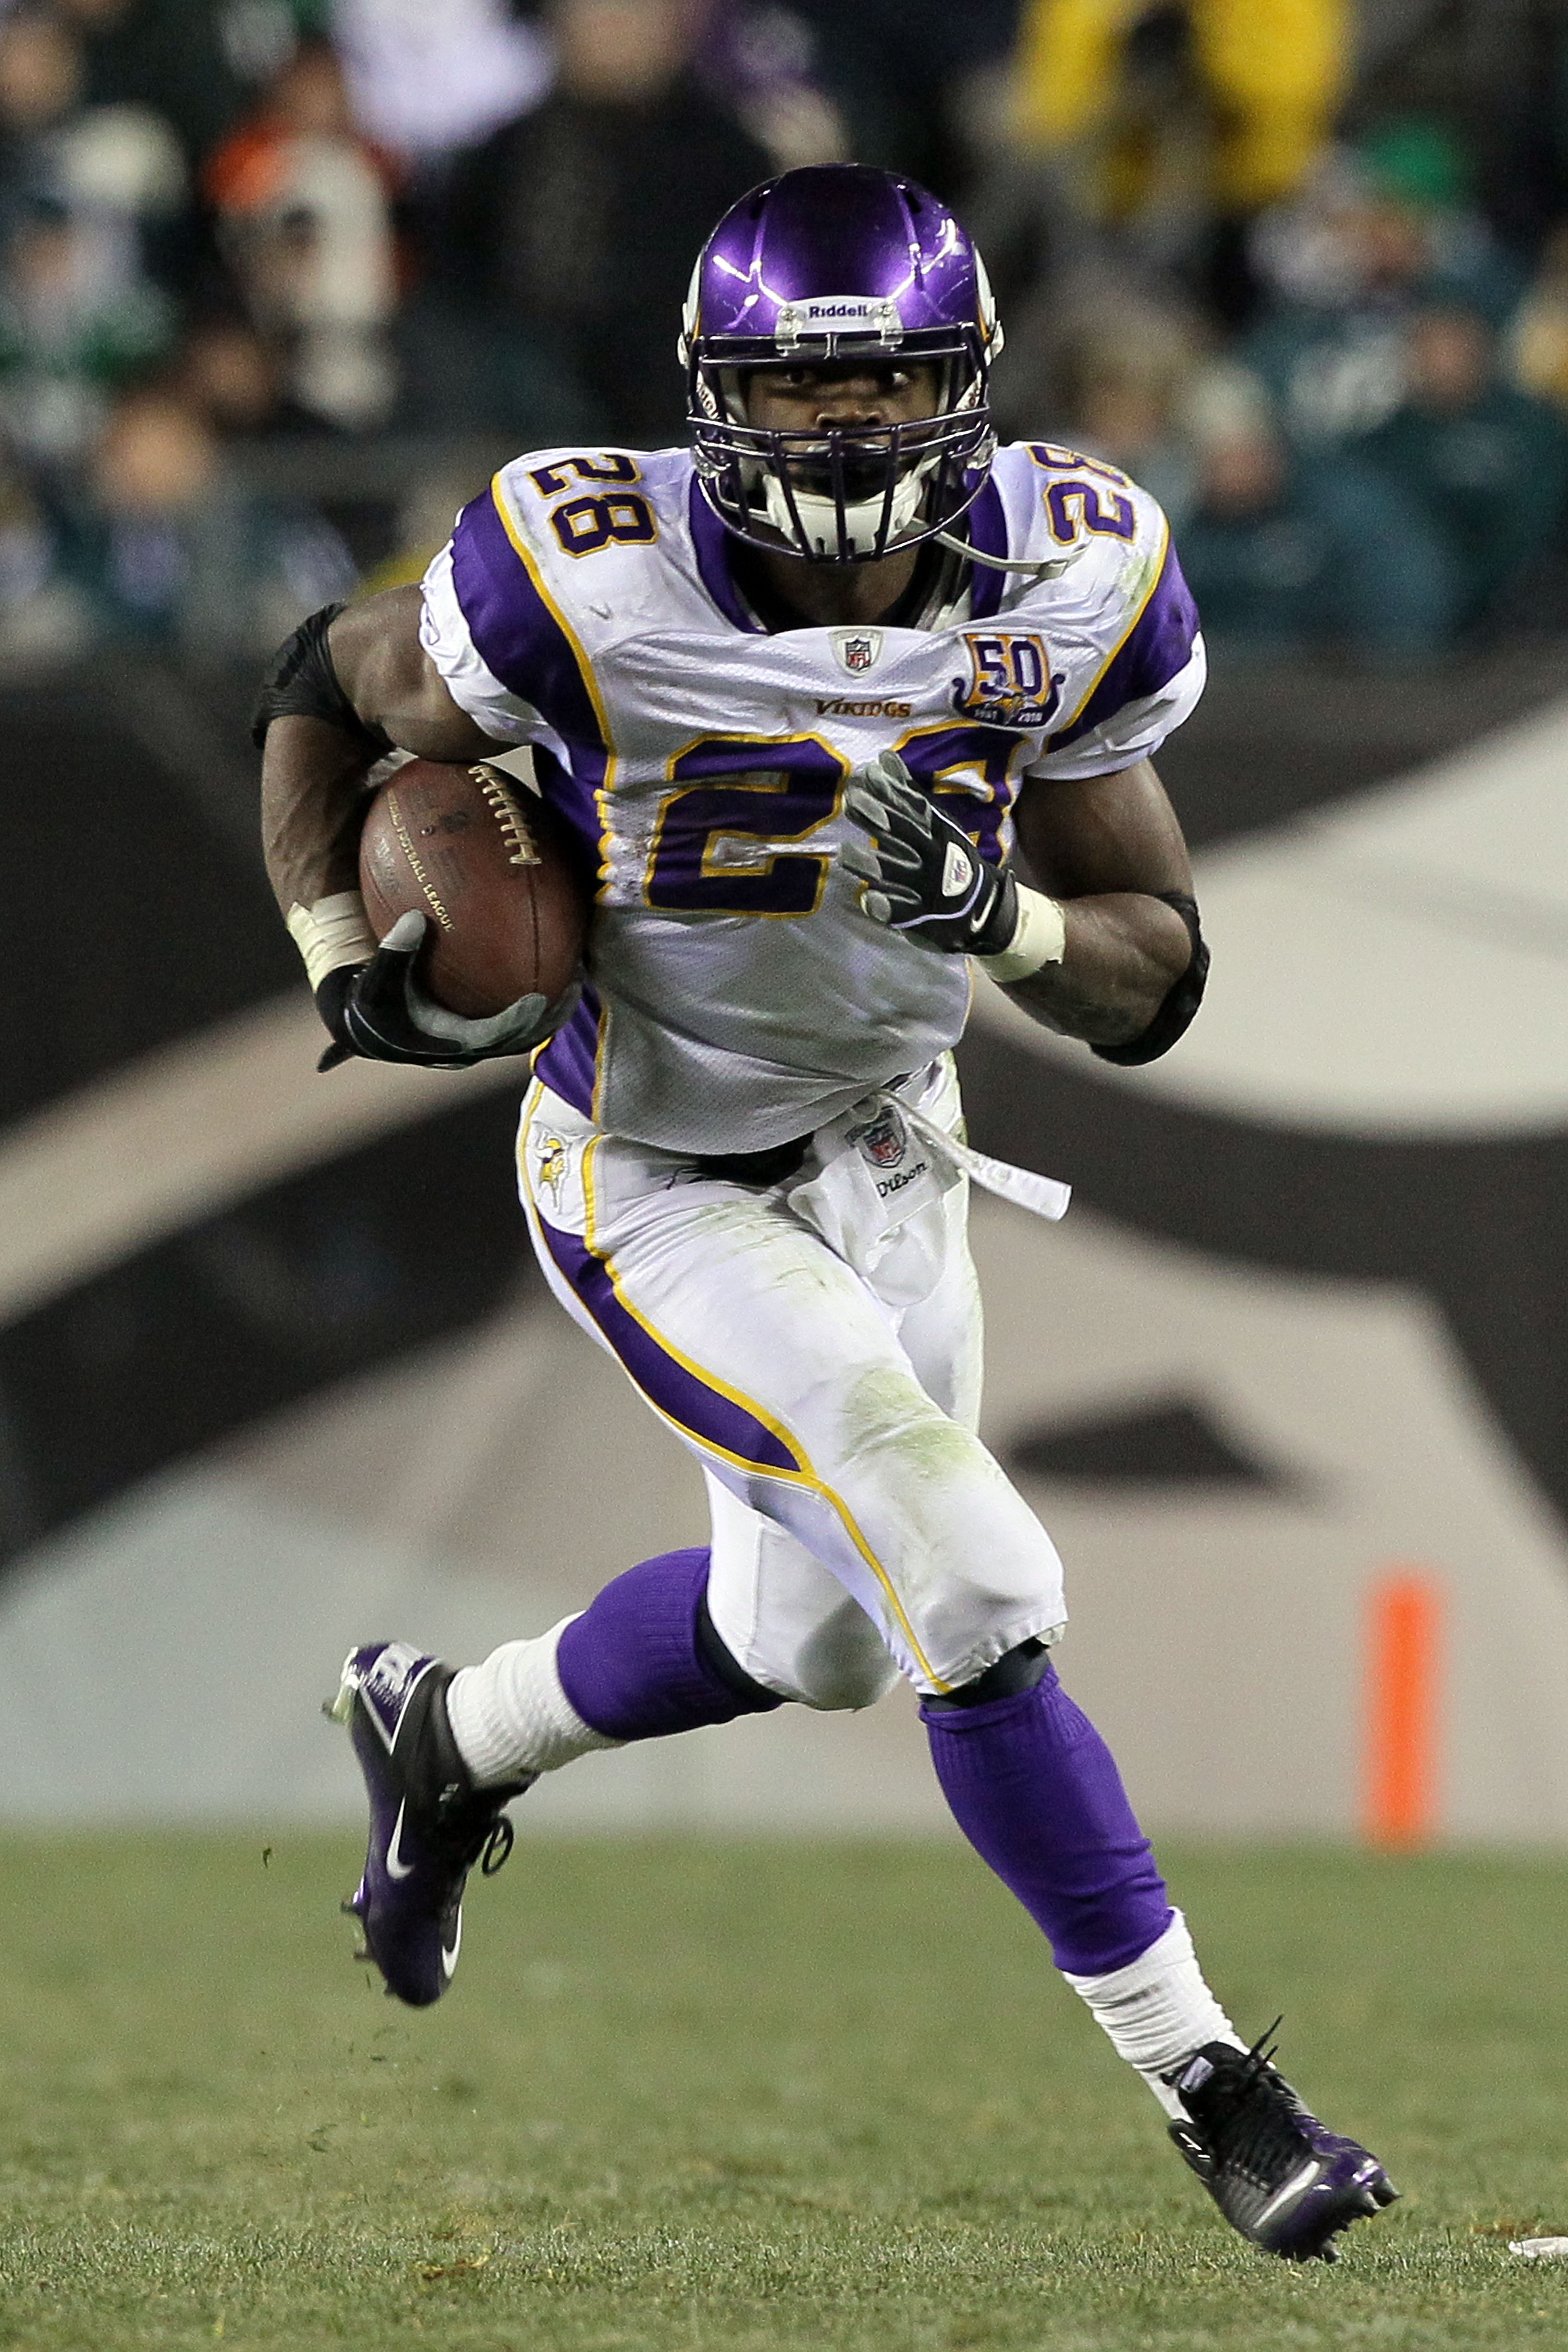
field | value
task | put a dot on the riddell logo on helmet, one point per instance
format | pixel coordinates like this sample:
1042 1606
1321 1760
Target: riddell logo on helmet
826 314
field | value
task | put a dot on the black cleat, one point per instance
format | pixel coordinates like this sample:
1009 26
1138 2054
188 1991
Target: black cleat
428 1823
1275 2172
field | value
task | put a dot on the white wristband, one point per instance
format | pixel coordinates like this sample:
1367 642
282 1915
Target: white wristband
335 931
1041 938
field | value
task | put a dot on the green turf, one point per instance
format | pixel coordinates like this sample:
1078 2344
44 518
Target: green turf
688 2096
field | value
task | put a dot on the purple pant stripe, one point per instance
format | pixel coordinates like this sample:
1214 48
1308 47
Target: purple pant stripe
1037 1792
710 1416
631 1665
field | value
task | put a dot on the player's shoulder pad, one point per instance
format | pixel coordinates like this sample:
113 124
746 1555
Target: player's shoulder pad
1110 584
1088 523
564 550
594 525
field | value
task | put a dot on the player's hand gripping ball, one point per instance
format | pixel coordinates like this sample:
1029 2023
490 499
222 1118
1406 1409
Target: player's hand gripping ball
481 913
918 873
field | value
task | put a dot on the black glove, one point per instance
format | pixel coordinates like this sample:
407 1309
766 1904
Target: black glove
379 1012
920 874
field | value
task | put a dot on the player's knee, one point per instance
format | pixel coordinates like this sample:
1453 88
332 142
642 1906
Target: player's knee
842 1664
1018 1670
751 1696
846 1667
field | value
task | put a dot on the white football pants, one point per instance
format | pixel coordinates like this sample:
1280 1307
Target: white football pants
830 1393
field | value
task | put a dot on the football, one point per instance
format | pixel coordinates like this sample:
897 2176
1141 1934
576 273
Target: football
494 873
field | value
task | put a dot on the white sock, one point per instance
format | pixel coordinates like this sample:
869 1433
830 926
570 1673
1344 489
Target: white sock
1158 2010
511 1717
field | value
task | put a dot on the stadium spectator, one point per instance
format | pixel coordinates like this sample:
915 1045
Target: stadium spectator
760 62
1346 262
1485 463
1286 551
1537 356
1182 123
195 63
302 201
1109 375
230 375
41 78
77 318
427 76
42 616
168 549
918 81
573 229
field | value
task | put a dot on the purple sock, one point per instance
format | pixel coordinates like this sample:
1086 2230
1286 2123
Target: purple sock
636 1665
1037 1792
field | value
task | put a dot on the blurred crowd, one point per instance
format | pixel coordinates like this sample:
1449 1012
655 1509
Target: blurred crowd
279 279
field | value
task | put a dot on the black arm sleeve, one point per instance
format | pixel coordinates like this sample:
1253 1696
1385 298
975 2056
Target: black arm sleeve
1181 1000
303 684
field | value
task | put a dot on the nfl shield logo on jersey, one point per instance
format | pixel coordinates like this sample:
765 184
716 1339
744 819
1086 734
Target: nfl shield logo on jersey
883 1140
857 649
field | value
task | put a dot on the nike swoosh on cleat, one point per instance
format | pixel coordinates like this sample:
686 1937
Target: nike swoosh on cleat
449 1959
1311 2171
396 1865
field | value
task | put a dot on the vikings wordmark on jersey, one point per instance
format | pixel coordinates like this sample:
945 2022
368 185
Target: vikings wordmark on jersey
585 605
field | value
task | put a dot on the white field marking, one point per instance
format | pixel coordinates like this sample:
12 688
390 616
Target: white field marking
1540 2250
184 1131
1392 965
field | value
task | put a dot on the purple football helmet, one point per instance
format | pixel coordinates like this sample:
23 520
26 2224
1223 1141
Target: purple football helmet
830 265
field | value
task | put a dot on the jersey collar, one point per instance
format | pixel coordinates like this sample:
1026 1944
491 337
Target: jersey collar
986 525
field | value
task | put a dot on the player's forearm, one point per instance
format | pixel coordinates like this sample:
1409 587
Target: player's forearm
1122 955
365 683
312 782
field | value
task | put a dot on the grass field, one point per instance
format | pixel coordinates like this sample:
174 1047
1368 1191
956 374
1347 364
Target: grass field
688 2096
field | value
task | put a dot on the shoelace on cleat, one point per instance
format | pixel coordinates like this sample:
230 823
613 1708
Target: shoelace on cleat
1253 2128
486 1843
463 1841
497 1846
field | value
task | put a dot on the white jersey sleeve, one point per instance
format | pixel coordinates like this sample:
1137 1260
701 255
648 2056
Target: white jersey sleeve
1133 731
1113 604
445 634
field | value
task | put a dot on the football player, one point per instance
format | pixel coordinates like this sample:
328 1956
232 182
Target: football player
842 701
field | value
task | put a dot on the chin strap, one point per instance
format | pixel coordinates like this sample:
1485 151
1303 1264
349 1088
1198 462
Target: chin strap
1047 567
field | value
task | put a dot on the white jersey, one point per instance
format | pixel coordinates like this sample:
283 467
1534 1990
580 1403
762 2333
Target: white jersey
739 998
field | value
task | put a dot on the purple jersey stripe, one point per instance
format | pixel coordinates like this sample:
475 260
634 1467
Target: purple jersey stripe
986 525
712 1418
1157 647
711 545
518 636
574 797
568 1064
